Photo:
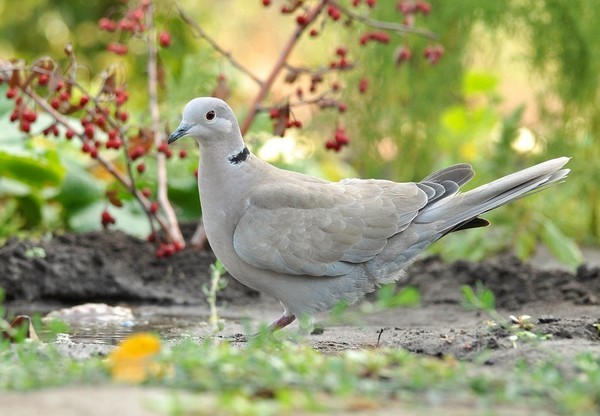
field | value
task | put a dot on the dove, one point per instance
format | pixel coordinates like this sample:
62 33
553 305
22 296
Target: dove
311 243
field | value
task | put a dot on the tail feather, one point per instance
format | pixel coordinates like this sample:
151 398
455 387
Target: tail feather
454 212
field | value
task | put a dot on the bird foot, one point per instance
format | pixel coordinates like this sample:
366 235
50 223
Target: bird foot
282 322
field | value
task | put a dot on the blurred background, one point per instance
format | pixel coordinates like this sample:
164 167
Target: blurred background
517 84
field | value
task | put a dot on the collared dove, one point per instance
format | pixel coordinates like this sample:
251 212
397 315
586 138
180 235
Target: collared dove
311 243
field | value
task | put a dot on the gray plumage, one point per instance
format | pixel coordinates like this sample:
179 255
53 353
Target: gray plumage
312 243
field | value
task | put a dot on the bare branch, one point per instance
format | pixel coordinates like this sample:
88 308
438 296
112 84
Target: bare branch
173 231
379 24
202 34
279 64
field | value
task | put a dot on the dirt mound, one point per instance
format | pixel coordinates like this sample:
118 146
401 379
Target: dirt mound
513 282
107 267
111 266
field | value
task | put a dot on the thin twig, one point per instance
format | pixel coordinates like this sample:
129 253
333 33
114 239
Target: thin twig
379 24
279 64
202 34
174 232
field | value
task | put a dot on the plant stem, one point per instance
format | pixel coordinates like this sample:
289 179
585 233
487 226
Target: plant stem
215 277
173 230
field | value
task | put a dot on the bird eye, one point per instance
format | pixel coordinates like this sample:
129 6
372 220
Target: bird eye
210 115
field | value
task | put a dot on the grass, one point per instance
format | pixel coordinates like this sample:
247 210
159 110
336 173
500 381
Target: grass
268 376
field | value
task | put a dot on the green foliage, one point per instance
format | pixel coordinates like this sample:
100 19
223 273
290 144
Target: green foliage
478 299
389 297
267 376
413 119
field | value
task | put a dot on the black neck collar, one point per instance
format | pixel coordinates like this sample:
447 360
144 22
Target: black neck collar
240 157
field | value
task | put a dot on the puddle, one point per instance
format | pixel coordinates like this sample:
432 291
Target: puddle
169 322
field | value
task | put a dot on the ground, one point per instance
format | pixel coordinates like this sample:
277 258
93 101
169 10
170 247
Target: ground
166 296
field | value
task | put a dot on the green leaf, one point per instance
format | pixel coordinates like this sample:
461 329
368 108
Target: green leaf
130 219
525 245
479 82
79 189
387 297
562 247
31 170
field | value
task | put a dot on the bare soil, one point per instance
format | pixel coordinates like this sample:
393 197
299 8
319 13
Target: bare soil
115 268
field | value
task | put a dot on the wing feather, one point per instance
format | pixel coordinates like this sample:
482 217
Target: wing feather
323 229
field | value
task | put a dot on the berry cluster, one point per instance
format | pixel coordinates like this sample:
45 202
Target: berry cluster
340 139
132 23
98 120
312 17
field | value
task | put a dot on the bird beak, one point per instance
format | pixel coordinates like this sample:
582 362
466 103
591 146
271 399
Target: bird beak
179 132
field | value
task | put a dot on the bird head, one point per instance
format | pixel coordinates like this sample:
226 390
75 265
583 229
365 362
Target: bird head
204 119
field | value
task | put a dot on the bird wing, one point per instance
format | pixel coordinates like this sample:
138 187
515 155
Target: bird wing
322 228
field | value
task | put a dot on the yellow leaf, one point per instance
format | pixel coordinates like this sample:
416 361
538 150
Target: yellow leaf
132 361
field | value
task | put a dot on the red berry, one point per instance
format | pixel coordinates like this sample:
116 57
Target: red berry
313 33
334 12
363 85
117 48
107 24
55 103
405 7
341 51
163 147
423 7
182 154
121 96
266 3
69 134
332 145
100 120
371 3
122 115
84 100
164 39
340 137
274 113
136 152
113 143
25 126
302 20
342 107
89 131
43 79
94 153
146 192
30 116
126 25
85 147
11 93
137 14
154 207
403 54
107 219
141 168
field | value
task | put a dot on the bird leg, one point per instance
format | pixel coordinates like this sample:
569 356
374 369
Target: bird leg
282 322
